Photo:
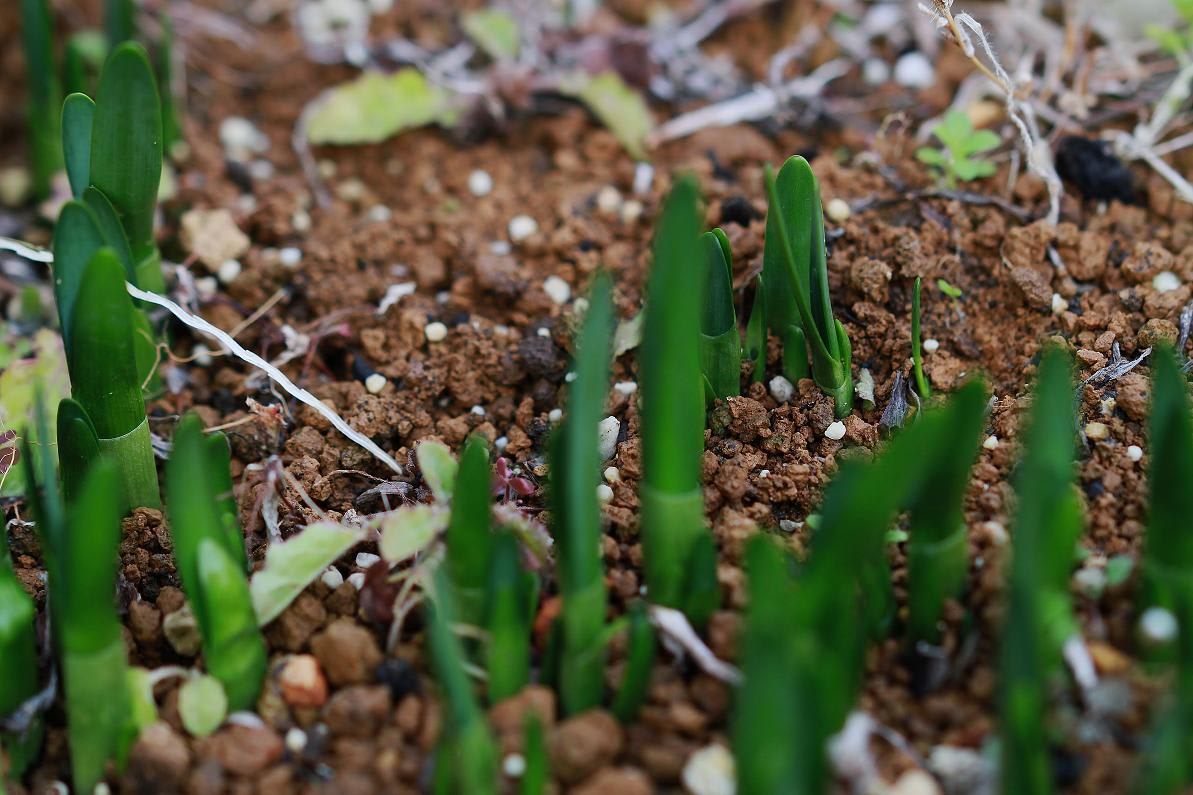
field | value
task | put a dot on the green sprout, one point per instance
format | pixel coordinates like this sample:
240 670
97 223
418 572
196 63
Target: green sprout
120 21
795 272
937 555
98 325
470 536
755 348
78 114
79 545
466 761
958 158
78 447
1039 616
641 650
18 666
575 465
209 552
917 354
126 154
511 601
534 748
720 341
948 289
44 94
673 410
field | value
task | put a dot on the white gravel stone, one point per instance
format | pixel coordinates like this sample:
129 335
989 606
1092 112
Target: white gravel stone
375 383
608 200
864 387
296 740
357 579
555 415
1134 452
931 346
835 431
1158 625
570 377
522 227
501 442
241 138
558 290
480 183
206 286
379 214
1166 282
607 432
514 765
710 771
261 170
365 560
229 270
301 221
290 256
914 70
781 389
1059 304
626 388
876 71
604 493
435 332
201 355
631 211
643 178
332 578
990 442
478 410
612 475
1096 431
838 211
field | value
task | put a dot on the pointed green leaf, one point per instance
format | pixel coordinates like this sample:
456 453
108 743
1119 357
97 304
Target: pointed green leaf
295 563
377 106
493 31
438 467
77 112
44 94
77 237
409 530
617 106
78 447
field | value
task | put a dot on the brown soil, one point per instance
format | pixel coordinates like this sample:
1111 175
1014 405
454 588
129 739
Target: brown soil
370 720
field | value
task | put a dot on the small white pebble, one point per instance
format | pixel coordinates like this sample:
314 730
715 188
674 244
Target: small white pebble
443 296
201 355
555 415
864 387
261 170
764 473
379 214
1158 625
246 203
1166 282
570 377
375 383
206 286
1096 431
875 71
781 389
580 305
608 200
607 432
351 190
296 740
240 138
290 256
435 332
838 211
499 248
522 227
788 525
480 183
365 560
514 765
1134 452
710 771
357 579
835 431
501 442
626 388
643 177
1059 304
228 271
612 474
990 442
301 221
543 331
931 345
1107 406
478 410
914 70
604 493
332 578
631 211
557 290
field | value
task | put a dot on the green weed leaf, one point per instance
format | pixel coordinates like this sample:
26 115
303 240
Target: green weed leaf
295 563
620 108
376 106
410 529
202 705
438 467
493 31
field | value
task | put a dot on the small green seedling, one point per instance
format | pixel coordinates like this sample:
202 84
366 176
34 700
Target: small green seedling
673 412
511 601
1039 617
958 158
44 94
795 272
209 551
470 537
720 341
18 666
917 350
755 350
950 290
575 467
466 760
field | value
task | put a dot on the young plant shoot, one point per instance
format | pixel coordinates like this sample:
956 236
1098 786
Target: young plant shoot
720 342
126 154
917 350
510 606
641 648
18 666
673 409
575 465
209 551
1039 620
470 536
44 100
755 350
795 272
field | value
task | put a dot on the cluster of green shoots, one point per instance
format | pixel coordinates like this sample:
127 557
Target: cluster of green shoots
75 71
959 157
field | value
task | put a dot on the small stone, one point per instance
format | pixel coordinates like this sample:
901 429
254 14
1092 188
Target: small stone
864 387
1166 282
625 388
835 431
781 389
1090 581
500 443
915 782
961 769
616 781
365 560
631 211
838 211
914 70
207 286
241 138
608 200
522 227
557 290
607 432
212 236
158 761
296 740
379 214
604 493
1096 431
182 631
356 579
612 475
875 71
1134 452
301 221
375 383
201 355
332 578
302 682
584 744
290 256
15 184
347 651
514 765
990 442
1158 626
1059 304
478 410
358 711
480 183
435 332
643 177
554 415
246 750
931 346
710 771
